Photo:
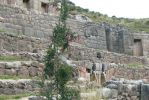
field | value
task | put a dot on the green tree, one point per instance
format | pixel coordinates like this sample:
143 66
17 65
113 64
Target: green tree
55 70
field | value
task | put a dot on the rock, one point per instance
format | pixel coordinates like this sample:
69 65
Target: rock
106 93
2 71
11 72
81 79
134 98
37 98
32 71
112 86
35 64
114 93
23 72
8 91
10 65
2 65
82 18
24 63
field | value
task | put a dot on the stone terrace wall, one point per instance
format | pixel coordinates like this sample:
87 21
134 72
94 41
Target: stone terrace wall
82 53
125 90
102 36
30 23
13 43
128 73
12 87
23 69
22 22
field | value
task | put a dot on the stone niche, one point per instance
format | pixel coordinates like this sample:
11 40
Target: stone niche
137 47
26 4
44 7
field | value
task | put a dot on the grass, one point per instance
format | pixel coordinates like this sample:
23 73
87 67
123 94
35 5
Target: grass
135 65
17 77
2 30
15 97
97 95
12 58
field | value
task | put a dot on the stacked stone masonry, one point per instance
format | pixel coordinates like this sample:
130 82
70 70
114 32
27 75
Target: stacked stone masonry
125 90
14 87
19 21
22 69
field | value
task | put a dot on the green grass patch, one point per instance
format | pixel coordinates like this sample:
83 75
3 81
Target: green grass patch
135 65
15 97
2 30
12 58
9 77
18 77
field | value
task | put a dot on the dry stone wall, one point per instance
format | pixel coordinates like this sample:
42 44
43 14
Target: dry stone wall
22 22
125 90
128 73
11 43
30 23
23 69
13 87
82 53
114 38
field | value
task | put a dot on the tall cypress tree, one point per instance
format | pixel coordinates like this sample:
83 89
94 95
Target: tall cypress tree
55 70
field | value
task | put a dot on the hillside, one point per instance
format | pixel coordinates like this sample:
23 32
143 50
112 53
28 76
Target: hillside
132 24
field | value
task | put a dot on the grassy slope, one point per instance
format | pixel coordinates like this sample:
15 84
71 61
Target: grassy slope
133 24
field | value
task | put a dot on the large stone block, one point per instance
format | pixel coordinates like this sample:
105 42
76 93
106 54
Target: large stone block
145 92
23 72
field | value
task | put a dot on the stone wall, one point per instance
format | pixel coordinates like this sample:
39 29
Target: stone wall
116 38
23 69
35 5
11 43
22 22
128 73
82 53
29 23
125 90
13 87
